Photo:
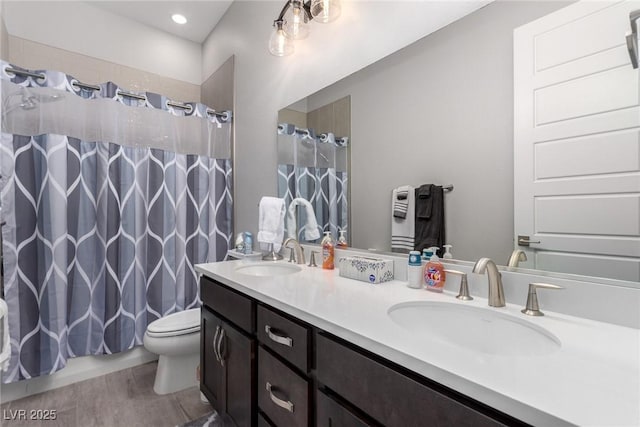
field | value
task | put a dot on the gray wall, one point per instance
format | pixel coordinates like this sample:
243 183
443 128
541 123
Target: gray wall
218 89
440 111
4 37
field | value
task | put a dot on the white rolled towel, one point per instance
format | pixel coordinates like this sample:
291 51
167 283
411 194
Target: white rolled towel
311 231
271 221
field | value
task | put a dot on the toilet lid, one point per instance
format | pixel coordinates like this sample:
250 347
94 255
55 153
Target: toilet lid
182 322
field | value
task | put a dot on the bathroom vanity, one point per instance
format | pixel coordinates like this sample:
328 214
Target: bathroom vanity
306 347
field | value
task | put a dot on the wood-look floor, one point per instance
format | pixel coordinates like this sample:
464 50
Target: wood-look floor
123 398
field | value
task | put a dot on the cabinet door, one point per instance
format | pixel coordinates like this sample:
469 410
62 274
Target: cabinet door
212 373
237 353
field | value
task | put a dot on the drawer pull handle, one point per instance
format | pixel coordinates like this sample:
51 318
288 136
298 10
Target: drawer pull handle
285 404
278 338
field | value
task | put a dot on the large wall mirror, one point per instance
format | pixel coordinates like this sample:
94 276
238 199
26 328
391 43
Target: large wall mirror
441 111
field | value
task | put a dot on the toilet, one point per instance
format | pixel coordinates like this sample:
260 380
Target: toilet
176 340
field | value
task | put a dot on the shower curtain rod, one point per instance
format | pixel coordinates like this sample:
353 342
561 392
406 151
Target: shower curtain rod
175 104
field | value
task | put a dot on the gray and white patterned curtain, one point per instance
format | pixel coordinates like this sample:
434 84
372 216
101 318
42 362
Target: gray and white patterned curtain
316 169
108 201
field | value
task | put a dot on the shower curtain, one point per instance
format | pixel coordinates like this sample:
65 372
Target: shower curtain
108 201
316 169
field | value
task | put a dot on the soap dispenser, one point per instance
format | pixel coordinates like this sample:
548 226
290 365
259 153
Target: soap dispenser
434 275
342 241
447 252
328 250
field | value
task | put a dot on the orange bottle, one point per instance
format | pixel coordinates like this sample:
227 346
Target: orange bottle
328 250
434 274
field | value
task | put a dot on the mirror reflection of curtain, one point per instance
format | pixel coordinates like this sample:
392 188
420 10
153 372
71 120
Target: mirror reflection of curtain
314 167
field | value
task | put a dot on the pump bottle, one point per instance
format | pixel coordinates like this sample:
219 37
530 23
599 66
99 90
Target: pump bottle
434 275
342 241
328 250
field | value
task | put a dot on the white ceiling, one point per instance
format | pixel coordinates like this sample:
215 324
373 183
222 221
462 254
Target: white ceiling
202 15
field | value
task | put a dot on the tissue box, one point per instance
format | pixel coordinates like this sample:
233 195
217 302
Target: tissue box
371 270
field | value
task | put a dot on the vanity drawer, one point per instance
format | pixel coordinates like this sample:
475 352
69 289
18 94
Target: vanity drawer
330 413
287 338
282 394
388 396
230 304
262 422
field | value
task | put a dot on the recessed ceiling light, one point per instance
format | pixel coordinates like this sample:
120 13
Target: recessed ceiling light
179 19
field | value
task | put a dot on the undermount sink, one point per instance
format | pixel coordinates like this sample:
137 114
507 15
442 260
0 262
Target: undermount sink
484 330
268 269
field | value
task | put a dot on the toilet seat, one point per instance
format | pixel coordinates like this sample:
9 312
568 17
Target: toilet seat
175 324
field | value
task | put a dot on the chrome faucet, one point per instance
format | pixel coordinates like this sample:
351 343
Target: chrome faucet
299 253
496 291
516 256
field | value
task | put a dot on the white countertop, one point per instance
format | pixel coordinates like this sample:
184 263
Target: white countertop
593 379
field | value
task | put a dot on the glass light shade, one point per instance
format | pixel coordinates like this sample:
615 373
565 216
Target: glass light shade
324 11
296 22
279 43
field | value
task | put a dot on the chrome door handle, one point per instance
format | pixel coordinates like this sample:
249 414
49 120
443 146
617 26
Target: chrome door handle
525 241
284 340
215 348
632 38
632 48
220 353
285 404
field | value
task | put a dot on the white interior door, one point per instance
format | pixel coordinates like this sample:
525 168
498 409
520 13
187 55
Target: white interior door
577 141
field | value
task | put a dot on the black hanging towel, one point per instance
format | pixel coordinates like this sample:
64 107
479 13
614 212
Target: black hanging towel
429 217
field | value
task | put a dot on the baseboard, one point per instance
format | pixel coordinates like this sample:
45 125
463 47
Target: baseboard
77 369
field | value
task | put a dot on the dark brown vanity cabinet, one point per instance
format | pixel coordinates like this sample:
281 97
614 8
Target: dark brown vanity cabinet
262 367
227 354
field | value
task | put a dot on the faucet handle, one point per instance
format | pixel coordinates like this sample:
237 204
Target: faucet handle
463 293
312 259
532 308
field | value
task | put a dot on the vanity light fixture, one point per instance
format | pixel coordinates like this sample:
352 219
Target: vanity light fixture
293 22
179 19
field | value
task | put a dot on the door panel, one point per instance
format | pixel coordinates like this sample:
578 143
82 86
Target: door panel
576 145
603 215
591 155
239 356
577 39
212 378
592 265
609 90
